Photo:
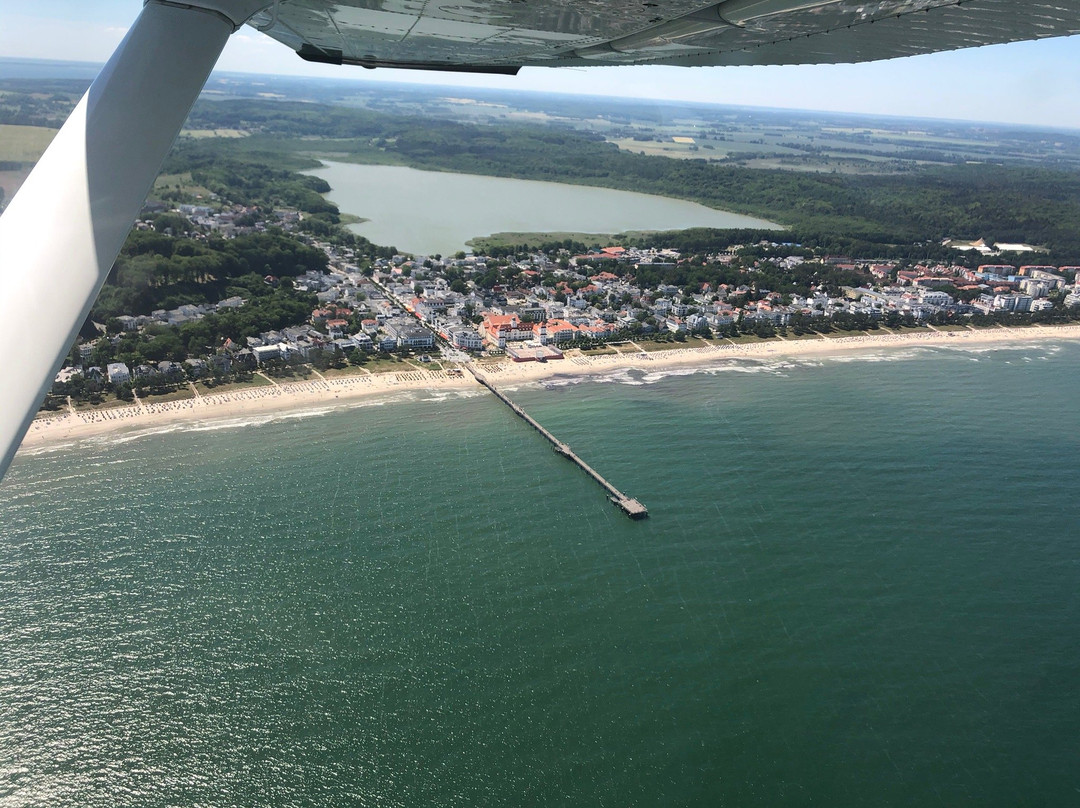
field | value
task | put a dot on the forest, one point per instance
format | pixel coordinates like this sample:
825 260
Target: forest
862 215
999 203
156 271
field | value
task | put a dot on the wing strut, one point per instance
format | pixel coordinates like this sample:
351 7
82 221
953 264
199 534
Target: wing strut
64 228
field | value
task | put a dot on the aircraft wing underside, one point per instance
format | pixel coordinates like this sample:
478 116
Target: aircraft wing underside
501 35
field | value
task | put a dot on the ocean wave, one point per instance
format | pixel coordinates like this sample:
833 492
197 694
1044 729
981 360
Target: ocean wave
1050 346
452 395
48 448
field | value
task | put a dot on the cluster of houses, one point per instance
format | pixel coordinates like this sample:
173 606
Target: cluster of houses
406 302
994 287
224 220
186 313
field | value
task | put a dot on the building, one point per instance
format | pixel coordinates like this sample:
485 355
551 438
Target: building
409 334
498 329
266 352
465 338
118 373
933 297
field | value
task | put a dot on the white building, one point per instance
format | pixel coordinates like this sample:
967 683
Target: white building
118 373
933 297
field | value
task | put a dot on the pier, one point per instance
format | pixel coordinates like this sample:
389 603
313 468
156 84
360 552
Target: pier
628 505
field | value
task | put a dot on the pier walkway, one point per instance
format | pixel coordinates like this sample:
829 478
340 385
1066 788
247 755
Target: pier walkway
630 506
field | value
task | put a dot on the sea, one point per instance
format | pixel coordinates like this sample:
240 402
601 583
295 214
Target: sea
859 584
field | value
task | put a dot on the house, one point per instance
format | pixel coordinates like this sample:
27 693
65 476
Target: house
362 341
118 373
196 367
336 328
245 358
264 353
465 338
171 369
66 375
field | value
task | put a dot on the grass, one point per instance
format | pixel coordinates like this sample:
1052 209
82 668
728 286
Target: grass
256 381
176 395
841 334
169 182
345 372
514 239
651 346
110 402
24 144
388 366
791 337
200 134
917 329
747 339
668 148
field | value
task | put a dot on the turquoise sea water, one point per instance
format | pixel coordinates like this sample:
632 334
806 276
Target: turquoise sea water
859 585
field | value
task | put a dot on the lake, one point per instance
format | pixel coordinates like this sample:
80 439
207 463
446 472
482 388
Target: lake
427 212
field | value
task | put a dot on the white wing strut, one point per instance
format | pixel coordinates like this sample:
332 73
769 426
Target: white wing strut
63 230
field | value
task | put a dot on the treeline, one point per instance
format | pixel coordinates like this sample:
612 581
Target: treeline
156 271
39 102
1001 203
251 182
268 181
274 308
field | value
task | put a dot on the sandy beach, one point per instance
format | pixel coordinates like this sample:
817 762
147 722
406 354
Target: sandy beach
69 427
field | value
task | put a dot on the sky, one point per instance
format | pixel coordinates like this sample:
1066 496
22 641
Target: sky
1034 83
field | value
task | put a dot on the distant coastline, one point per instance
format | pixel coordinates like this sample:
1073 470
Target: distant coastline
70 427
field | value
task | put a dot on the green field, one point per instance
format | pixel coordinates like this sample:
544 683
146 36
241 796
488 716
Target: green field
182 183
24 144
205 133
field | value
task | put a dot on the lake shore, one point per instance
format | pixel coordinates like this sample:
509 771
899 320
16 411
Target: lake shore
316 393
412 215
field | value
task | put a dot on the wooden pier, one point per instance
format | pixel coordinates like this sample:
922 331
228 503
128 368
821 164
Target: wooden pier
628 505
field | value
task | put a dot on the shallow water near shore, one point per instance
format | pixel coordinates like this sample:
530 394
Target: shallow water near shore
859 584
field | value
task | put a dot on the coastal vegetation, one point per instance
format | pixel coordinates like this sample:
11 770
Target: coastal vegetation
179 257
999 202
159 271
1028 192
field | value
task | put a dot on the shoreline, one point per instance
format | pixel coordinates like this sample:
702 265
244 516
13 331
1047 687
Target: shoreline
281 398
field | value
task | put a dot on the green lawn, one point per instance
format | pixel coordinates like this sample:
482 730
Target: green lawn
345 372
176 395
24 144
256 381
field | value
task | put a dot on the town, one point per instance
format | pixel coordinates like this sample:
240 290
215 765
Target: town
538 305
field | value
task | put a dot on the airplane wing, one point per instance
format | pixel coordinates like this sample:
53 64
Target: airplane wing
61 233
502 35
